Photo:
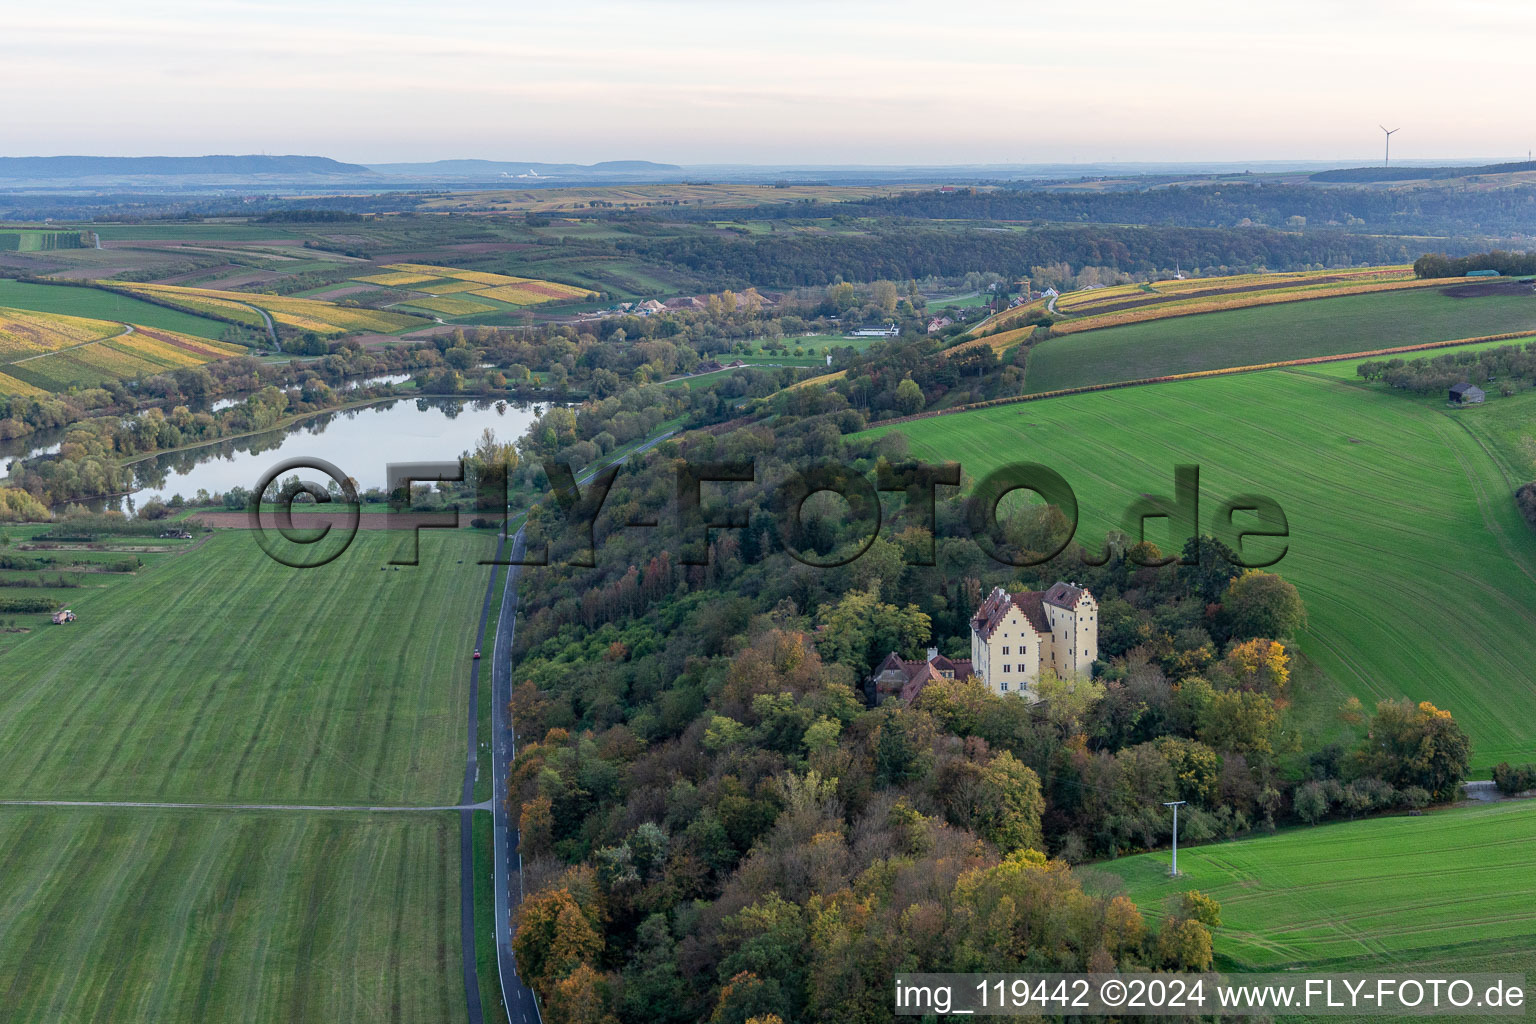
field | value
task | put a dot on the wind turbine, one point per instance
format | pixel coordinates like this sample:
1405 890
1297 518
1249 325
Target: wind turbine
1390 132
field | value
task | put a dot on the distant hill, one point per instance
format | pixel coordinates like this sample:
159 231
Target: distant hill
1370 175
64 167
509 168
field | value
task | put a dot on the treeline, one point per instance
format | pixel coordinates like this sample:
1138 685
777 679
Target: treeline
1513 264
718 824
313 216
1371 174
1224 204
902 252
1505 369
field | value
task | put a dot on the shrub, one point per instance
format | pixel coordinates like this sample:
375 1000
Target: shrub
1525 497
1511 779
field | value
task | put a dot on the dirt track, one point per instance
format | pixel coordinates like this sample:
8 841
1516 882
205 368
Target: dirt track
1504 286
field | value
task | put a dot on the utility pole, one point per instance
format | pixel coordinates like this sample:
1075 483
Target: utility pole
1175 804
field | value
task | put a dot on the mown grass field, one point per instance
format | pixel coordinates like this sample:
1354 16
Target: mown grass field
1451 890
103 305
1296 330
269 917
1418 573
224 676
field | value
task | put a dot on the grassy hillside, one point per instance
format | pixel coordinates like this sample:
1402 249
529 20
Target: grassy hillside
268 917
234 678
104 305
1296 330
1375 895
1418 573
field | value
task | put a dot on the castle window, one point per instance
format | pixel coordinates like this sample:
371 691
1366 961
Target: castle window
1005 650
1003 686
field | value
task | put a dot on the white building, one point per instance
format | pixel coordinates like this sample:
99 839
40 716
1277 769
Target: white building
1014 637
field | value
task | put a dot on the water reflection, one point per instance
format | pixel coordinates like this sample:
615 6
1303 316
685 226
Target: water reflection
358 441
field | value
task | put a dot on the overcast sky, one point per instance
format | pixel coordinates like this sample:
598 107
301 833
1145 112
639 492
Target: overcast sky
702 81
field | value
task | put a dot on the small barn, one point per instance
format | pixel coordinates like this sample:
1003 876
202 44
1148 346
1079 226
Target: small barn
1467 394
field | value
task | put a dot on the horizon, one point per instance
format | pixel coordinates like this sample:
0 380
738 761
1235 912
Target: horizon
1271 164
1007 86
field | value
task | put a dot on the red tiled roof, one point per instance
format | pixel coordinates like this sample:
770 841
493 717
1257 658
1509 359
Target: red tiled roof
1063 595
997 604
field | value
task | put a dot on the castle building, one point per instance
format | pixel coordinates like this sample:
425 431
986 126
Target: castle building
1015 637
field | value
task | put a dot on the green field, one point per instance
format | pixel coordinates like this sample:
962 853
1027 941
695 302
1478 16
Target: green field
102 305
1264 334
223 676
971 301
180 916
1379 895
1418 572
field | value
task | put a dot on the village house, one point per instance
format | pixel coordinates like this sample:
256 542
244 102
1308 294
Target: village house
1014 637
938 323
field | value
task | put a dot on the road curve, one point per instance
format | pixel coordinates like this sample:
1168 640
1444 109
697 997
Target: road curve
271 327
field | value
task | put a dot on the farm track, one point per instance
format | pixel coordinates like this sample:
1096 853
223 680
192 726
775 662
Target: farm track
127 330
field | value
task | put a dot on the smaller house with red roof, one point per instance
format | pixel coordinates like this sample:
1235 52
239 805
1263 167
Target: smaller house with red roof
897 677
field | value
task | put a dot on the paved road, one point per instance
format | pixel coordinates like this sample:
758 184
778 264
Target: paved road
522 1007
467 814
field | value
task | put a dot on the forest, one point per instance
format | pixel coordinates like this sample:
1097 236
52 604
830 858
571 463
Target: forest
718 822
900 252
1217 204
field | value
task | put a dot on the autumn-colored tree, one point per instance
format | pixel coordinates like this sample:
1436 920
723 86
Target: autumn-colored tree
17 505
1261 665
1025 907
536 826
582 997
1196 768
1184 945
1197 906
1415 745
1009 804
1242 721
745 997
553 936
1068 700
